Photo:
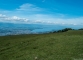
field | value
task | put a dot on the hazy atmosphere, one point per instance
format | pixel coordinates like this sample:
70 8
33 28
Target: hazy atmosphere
36 16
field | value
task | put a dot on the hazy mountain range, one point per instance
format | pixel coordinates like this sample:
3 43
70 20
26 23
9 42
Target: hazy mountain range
14 29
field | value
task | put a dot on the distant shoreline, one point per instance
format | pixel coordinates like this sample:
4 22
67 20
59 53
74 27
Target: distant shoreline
58 31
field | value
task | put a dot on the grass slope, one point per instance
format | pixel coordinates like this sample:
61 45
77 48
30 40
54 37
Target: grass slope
53 46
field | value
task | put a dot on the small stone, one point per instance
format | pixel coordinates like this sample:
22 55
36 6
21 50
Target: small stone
36 58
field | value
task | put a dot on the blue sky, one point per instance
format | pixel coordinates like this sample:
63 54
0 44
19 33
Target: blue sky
42 11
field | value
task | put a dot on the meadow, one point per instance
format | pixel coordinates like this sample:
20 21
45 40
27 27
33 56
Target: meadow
50 46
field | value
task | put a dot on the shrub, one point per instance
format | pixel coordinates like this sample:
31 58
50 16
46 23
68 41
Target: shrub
80 29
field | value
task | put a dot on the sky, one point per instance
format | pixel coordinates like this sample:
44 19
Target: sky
61 12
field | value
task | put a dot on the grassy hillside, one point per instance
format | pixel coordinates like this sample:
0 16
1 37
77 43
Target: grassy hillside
53 46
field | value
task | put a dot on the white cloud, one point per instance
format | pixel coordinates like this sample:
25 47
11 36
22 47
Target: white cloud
2 16
39 21
29 7
12 19
45 19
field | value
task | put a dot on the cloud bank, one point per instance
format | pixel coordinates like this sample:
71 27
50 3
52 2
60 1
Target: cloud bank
42 19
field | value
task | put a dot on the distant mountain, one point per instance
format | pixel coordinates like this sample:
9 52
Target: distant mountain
14 29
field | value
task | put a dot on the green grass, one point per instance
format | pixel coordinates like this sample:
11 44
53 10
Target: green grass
53 46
